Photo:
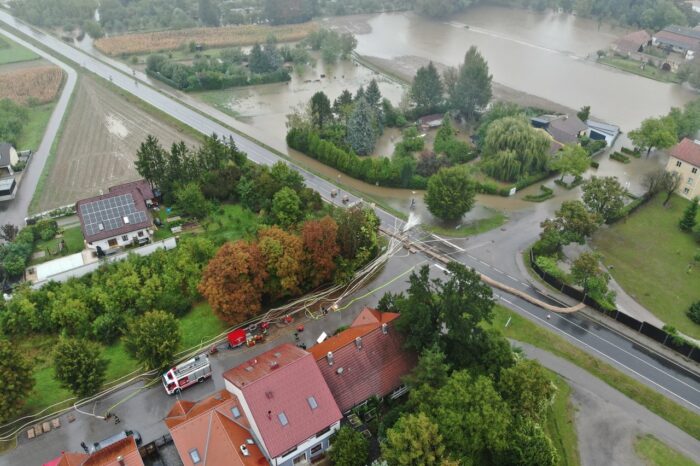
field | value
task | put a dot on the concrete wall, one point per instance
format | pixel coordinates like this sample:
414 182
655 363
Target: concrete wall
690 182
122 240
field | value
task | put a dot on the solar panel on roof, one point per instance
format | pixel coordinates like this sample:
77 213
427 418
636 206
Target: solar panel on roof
110 213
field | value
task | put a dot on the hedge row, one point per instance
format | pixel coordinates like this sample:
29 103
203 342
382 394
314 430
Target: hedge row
620 157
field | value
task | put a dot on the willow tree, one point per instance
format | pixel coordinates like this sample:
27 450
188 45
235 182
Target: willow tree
515 137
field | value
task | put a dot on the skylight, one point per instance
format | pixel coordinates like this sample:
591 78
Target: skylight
312 402
194 454
236 412
283 418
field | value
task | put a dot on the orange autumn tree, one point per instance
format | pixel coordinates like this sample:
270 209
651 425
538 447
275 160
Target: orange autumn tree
234 280
283 254
320 250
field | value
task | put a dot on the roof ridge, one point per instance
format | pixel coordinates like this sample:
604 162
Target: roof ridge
264 376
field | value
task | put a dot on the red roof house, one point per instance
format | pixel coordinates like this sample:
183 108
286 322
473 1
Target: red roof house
688 151
213 431
285 398
367 359
126 449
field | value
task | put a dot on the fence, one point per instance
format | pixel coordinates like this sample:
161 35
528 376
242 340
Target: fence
645 328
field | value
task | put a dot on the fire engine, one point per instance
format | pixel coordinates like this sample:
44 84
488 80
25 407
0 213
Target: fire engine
187 373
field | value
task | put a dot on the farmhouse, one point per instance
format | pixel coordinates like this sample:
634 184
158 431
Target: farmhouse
685 41
685 160
563 129
124 452
634 42
8 184
117 219
367 359
289 407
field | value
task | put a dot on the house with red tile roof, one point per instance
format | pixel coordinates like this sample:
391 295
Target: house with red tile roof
367 359
684 159
630 43
125 452
290 409
213 431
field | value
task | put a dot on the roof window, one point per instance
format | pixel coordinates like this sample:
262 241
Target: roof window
283 418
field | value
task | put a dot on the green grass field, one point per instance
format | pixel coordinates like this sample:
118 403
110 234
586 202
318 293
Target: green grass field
656 453
74 243
230 222
560 423
522 329
33 131
11 52
472 228
632 66
652 259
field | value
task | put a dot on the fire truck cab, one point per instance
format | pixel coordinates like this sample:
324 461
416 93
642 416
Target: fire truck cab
187 373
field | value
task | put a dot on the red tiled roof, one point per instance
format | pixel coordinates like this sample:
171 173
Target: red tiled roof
374 369
140 191
281 381
688 151
72 459
209 427
672 37
632 41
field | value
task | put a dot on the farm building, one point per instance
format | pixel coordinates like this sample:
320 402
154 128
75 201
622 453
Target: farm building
685 41
563 129
117 219
631 43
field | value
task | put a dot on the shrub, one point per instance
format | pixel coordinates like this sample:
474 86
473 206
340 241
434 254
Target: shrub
545 193
550 267
595 164
107 327
46 229
620 157
694 312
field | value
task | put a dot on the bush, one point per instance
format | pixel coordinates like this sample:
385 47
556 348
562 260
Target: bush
633 153
107 327
595 164
549 266
545 193
620 157
694 312
46 229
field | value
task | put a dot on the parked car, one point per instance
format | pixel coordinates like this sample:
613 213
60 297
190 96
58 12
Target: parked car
114 439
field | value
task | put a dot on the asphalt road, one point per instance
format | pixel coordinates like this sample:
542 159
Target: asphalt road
657 372
15 211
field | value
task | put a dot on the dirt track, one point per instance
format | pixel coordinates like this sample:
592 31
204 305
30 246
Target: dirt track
98 147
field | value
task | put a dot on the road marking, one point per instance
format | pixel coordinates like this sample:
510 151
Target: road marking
484 263
498 270
478 245
448 242
610 357
513 278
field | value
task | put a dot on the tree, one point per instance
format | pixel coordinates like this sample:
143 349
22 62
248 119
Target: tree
373 96
604 196
440 8
529 445
571 160
654 132
13 118
321 113
527 390
283 256
357 233
427 91
209 13
348 448
572 223
584 113
513 149
693 312
150 157
153 339
343 105
472 90
286 208
450 193
17 380
432 369
8 232
79 366
319 238
688 222
671 182
587 273
413 441
361 132
419 321
233 281
191 202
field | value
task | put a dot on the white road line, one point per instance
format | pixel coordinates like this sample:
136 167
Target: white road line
498 270
512 278
611 358
484 263
478 245
448 242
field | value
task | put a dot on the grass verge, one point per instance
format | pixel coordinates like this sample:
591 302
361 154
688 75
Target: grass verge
633 66
653 260
12 52
522 329
656 453
33 131
560 423
472 228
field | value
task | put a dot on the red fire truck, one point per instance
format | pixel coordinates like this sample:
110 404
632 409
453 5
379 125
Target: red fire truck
187 373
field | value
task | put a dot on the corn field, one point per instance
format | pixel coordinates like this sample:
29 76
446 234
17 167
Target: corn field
40 85
164 41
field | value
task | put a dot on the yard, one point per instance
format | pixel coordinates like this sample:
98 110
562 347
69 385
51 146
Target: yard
33 131
196 326
633 66
652 259
11 52
73 238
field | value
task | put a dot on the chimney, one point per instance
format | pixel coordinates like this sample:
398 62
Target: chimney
274 365
244 450
329 357
358 342
385 329
120 460
269 415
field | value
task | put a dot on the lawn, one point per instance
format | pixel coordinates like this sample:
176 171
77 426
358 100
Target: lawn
74 244
652 259
230 222
560 423
632 66
522 329
11 52
197 325
471 228
656 453
33 131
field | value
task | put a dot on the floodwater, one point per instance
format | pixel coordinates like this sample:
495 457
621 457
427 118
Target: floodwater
549 55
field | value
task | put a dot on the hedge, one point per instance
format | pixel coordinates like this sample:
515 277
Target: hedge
620 157
546 193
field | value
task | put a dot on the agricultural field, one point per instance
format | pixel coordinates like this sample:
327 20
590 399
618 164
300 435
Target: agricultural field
226 36
11 52
38 85
97 146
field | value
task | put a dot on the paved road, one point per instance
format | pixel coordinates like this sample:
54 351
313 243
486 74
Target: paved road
15 211
496 257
